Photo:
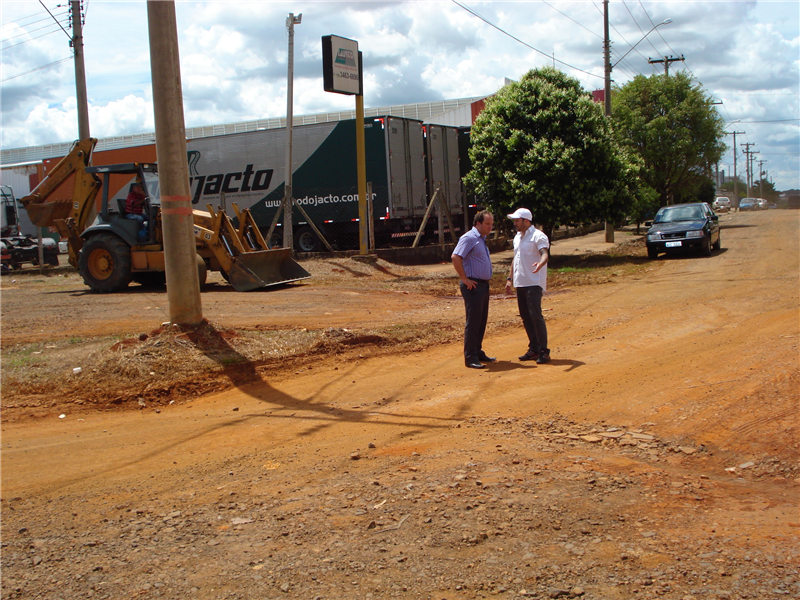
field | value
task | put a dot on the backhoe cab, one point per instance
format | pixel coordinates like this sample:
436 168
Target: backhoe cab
110 249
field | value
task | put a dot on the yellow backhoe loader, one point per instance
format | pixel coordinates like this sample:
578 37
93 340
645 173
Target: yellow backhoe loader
110 250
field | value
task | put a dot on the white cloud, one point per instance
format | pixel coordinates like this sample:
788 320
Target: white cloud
233 57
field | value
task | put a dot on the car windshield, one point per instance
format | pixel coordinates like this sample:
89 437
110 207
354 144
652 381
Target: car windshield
671 214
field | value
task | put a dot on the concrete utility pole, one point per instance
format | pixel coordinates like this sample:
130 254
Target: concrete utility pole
761 178
666 60
180 255
288 201
608 68
80 70
747 152
752 171
735 176
607 92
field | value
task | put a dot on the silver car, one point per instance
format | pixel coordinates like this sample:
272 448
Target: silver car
722 204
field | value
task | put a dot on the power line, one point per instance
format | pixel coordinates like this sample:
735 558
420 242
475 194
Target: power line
594 33
36 69
639 26
633 46
28 40
549 57
658 32
772 121
28 32
56 20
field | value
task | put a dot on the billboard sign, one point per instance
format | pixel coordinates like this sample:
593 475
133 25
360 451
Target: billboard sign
341 66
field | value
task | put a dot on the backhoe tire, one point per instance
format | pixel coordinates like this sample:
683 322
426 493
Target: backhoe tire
150 279
202 270
105 263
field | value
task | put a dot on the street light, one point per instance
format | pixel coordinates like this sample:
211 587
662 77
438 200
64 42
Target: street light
664 22
288 202
609 66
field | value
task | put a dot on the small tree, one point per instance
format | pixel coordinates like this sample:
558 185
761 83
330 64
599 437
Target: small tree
672 125
543 144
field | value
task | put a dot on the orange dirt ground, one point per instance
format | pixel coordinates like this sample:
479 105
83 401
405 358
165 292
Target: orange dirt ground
656 456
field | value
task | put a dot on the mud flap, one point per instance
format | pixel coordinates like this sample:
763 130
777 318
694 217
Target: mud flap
253 270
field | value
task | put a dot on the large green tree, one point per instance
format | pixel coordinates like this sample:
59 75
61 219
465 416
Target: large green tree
543 144
671 123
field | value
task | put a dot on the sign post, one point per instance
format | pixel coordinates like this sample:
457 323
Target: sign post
342 73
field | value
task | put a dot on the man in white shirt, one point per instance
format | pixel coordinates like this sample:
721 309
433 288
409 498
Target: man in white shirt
529 276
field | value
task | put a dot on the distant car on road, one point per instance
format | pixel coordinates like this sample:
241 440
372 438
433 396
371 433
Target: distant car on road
722 204
762 204
748 204
684 227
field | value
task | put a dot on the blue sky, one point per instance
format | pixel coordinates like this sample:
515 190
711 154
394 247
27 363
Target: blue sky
233 60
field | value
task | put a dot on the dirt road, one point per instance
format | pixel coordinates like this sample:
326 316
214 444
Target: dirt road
656 456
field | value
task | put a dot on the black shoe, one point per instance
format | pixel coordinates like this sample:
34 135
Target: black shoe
483 358
474 364
543 358
530 355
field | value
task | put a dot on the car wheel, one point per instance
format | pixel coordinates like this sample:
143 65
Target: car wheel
105 263
718 245
306 240
707 246
652 253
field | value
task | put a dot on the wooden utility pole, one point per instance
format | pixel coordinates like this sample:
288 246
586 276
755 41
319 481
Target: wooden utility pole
666 60
180 255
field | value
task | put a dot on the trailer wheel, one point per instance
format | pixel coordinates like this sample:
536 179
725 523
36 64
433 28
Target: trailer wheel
276 241
150 278
105 263
306 240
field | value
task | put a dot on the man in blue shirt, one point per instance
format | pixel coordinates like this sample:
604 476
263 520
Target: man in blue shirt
473 264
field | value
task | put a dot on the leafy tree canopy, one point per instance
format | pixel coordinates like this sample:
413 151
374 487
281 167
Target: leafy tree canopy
671 123
543 144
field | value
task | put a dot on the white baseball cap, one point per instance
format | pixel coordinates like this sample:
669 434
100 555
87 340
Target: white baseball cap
521 213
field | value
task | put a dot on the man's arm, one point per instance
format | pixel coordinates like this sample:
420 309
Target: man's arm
544 256
510 278
458 263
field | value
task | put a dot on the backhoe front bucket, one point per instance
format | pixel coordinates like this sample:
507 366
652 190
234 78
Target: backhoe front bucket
253 270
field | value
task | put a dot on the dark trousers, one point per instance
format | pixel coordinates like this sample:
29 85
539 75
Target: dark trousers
476 304
529 301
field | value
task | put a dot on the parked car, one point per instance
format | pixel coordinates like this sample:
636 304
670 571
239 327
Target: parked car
25 249
684 227
722 204
748 204
762 204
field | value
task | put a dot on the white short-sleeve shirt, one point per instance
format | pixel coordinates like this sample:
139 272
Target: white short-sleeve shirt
527 247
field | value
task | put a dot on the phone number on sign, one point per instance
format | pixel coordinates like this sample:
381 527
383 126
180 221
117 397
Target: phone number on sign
346 75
